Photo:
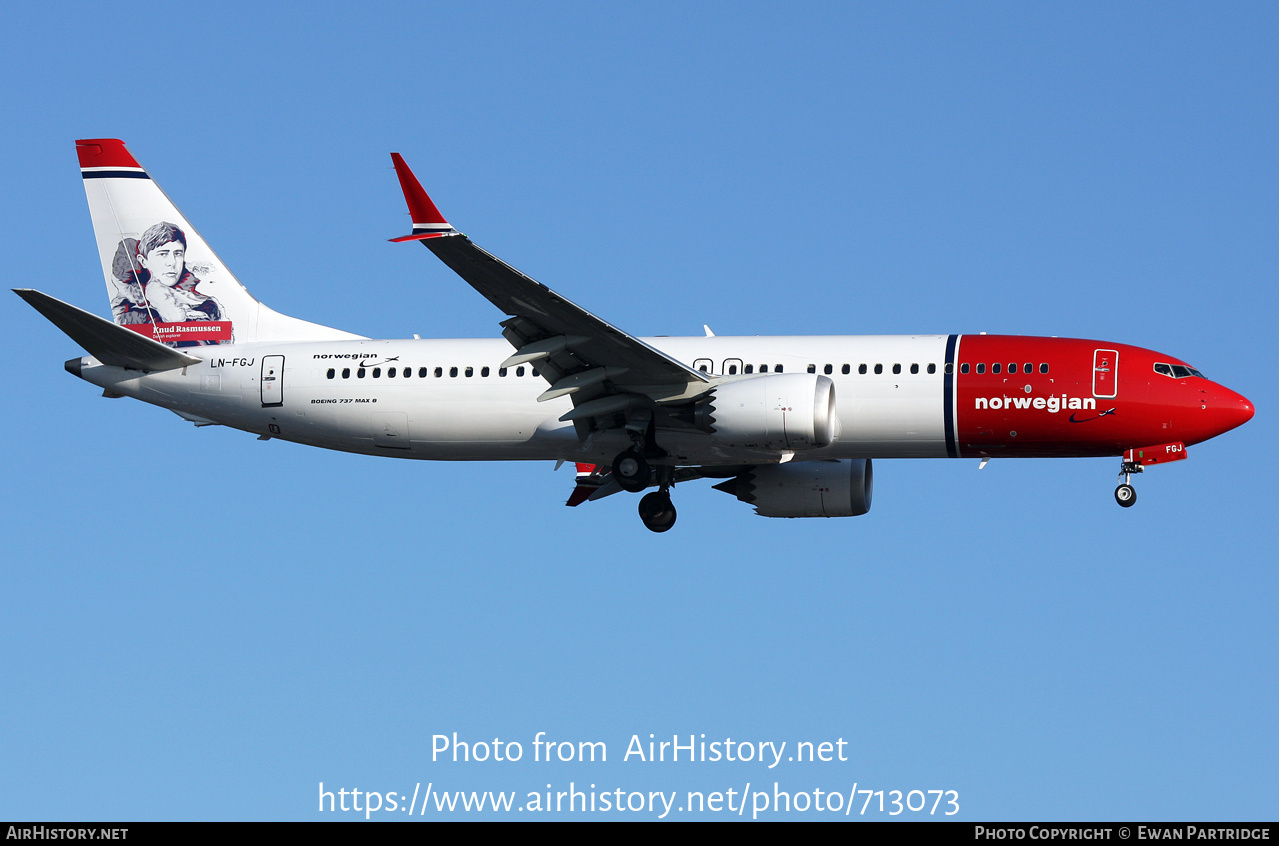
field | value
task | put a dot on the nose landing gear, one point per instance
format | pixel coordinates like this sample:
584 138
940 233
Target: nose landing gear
1126 494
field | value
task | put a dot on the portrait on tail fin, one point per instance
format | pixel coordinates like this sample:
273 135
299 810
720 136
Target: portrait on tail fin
158 295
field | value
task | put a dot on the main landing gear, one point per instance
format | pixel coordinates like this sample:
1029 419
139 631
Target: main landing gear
633 472
1126 494
657 511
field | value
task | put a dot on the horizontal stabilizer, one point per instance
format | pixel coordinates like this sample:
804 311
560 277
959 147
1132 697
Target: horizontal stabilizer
104 340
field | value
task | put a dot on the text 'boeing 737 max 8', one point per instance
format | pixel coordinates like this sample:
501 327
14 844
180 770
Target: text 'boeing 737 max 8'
790 424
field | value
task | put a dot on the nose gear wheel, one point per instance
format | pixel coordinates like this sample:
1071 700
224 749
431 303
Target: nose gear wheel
1126 494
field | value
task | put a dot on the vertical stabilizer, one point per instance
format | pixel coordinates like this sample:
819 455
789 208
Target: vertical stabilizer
163 280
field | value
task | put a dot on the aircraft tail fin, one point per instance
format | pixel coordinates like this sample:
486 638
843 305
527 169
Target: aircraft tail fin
104 340
163 280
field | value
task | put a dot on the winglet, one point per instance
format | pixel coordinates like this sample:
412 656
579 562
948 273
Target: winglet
427 220
590 478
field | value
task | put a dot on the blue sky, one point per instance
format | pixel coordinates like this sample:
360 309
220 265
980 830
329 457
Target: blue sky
197 625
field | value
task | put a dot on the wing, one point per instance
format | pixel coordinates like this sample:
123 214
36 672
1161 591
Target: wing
602 368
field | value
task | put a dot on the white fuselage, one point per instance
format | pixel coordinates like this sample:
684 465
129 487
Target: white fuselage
448 399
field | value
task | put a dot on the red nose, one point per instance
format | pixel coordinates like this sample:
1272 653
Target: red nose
1229 409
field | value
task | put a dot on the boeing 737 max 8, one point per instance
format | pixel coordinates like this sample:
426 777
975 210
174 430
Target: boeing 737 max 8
790 424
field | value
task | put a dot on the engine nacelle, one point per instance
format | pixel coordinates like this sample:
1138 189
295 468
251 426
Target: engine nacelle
789 411
806 488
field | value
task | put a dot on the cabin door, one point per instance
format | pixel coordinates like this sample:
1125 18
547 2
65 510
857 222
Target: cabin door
272 381
1105 373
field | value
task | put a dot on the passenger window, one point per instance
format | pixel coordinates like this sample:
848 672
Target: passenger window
702 367
332 372
377 372
777 368
932 368
914 368
1012 367
470 371
846 369
408 371
994 368
452 372
861 368
501 371
484 371
519 371
981 368
828 369
732 370
390 372
879 368
963 368
897 368
421 373
1027 368
534 371
360 373
750 368
1043 368
346 373
439 372
812 368
763 368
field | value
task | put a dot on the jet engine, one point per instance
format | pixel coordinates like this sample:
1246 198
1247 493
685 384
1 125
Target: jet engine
789 411
805 488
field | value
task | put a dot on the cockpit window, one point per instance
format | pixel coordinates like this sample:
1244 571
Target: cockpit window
1176 371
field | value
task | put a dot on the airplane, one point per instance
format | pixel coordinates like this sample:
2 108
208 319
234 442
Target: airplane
789 425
